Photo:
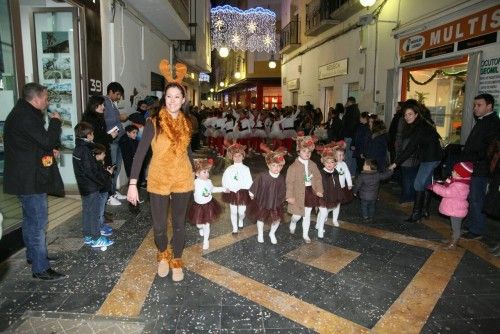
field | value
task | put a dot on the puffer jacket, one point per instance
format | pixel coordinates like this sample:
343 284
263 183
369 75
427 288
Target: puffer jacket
454 202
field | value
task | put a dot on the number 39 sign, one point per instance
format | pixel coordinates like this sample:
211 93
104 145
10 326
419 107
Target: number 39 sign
95 86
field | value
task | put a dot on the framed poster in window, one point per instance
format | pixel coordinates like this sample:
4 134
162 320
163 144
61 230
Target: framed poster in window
56 65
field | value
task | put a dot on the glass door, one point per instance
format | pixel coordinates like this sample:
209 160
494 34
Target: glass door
442 89
56 65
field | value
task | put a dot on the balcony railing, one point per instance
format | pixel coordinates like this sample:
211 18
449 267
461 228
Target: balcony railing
290 36
318 15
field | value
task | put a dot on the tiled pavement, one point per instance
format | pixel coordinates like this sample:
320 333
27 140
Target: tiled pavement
388 277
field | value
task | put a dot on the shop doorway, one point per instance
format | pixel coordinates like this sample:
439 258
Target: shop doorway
328 102
441 87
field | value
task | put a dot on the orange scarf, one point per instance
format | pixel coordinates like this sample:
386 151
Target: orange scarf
178 130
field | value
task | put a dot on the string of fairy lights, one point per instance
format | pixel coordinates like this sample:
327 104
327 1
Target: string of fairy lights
245 30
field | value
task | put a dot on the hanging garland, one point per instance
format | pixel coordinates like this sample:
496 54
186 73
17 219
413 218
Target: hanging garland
433 76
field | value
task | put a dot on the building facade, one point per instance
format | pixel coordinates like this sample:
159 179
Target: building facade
433 51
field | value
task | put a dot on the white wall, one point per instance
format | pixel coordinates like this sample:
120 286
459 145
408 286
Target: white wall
121 57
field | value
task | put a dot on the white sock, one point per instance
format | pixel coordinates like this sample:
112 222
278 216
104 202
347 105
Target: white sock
293 223
234 217
200 228
323 214
260 231
206 235
306 222
241 214
336 211
272 236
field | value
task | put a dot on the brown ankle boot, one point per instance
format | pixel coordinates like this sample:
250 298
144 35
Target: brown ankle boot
163 262
177 273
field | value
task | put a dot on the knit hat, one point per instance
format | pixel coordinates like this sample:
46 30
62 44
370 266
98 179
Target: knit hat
202 164
236 148
305 142
275 157
137 118
464 169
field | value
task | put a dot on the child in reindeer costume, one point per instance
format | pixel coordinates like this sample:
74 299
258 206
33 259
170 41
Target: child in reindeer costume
303 186
170 178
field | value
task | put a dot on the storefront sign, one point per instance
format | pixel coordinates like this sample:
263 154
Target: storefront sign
489 78
478 41
293 84
333 69
412 57
474 25
449 48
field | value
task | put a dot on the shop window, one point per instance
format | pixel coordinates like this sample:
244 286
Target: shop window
442 90
353 90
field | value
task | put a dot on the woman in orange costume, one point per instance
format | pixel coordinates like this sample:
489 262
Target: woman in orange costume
170 177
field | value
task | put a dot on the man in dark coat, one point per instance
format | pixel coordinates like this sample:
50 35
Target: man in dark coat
350 122
28 150
484 132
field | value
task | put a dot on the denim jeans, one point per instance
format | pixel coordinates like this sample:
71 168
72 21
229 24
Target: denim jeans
102 207
424 174
350 160
91 205
408 175
35 220
477 194
116 158
368 208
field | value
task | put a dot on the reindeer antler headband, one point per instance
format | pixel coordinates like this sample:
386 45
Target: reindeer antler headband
180 71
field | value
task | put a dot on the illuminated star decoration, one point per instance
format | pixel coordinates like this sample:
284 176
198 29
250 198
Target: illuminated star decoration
236 39
252 27
268 41
219 24
243 30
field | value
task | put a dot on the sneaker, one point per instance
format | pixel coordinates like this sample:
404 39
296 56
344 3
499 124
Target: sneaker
472 236
87 240
119 196
101 242
113 201
106 232
107 228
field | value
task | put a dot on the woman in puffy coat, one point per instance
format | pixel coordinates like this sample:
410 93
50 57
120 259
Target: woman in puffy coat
454 203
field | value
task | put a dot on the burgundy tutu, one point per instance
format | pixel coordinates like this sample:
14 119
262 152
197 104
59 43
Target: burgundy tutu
328 203
268 216
311 200
241 197
204 213
345 195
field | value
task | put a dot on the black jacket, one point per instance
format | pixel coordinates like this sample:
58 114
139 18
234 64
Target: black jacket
350 121
100 134
424 140
25 142
334 129
482 135
88 173
128 147
368 183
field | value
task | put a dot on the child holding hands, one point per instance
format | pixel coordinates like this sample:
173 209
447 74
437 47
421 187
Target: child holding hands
454 203
303 186
236 179
268 195
205 208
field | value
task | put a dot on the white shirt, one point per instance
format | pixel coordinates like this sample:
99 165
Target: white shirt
236 177
307 176
203 190
344 174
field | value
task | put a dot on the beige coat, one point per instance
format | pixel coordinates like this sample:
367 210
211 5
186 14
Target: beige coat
295 185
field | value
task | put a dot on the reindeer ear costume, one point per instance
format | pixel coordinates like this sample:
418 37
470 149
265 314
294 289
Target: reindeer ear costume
170 177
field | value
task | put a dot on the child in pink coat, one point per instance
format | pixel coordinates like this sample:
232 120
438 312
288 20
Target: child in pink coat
454 203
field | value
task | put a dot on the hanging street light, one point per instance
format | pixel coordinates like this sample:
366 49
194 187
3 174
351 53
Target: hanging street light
272 62
367 3
224 52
